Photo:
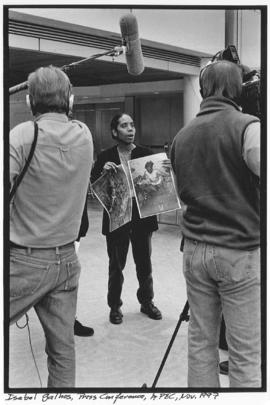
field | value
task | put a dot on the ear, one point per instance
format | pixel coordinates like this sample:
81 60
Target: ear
28 102
114 134
200 84
201 74
71 101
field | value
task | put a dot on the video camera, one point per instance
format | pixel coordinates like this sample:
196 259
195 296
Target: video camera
251 92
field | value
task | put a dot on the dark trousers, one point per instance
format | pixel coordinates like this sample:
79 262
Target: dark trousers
117 248
222 337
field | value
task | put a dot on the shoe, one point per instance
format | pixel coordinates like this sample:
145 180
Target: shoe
116 316
224 367
80 330
150 310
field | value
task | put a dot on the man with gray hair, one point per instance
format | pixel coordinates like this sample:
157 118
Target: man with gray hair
45 217
216 159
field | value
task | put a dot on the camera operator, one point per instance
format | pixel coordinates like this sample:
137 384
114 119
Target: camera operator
45 217
216 159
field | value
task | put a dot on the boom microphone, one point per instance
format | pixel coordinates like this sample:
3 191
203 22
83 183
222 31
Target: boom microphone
130 36
131 46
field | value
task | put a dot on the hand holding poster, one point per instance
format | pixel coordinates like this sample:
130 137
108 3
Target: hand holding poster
153 185
113 191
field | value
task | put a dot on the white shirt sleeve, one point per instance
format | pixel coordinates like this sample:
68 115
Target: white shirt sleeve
252 147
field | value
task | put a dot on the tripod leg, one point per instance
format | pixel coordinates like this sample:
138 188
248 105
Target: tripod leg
183 317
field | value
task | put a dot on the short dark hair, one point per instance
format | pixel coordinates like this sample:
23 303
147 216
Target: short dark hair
149 164
49 90
115 122
221 78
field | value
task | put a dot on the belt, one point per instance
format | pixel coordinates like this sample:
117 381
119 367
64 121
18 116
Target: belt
56 248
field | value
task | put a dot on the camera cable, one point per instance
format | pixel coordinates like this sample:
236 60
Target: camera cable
30 343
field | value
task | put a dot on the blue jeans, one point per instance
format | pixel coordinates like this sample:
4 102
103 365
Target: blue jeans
47 279
221 280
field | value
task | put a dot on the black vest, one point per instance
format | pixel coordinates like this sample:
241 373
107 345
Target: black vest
221 193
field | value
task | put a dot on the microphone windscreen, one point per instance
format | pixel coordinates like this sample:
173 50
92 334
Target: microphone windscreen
130 35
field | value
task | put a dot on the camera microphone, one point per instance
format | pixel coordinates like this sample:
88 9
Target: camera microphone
133 52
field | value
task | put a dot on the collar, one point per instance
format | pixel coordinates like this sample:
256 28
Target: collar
216 104
52 116
127 151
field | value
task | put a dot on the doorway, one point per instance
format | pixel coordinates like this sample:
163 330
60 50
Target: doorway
98 119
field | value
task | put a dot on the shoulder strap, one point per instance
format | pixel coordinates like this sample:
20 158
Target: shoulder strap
21 175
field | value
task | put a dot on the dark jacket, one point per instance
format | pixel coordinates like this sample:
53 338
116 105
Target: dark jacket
213 180
148 224
84 223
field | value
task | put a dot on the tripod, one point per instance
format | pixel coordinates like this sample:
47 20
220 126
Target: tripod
183 317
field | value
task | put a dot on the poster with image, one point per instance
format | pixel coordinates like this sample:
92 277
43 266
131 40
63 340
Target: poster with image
153 185
113 191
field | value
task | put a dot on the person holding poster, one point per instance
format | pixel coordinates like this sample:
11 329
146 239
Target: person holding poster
138 231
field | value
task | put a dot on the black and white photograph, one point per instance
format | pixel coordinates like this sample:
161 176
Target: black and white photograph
153 185
113 192
134 220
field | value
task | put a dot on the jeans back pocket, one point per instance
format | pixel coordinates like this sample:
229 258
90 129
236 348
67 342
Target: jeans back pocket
26 276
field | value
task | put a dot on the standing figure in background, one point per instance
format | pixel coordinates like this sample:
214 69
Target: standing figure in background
80 329
138 231
216 159
45 217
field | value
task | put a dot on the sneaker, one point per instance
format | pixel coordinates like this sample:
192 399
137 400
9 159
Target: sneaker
80 330
150 310
116 316
224 367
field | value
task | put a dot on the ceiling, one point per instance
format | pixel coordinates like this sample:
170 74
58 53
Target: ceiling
91 73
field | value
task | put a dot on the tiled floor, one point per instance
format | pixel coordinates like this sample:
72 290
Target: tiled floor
126 355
